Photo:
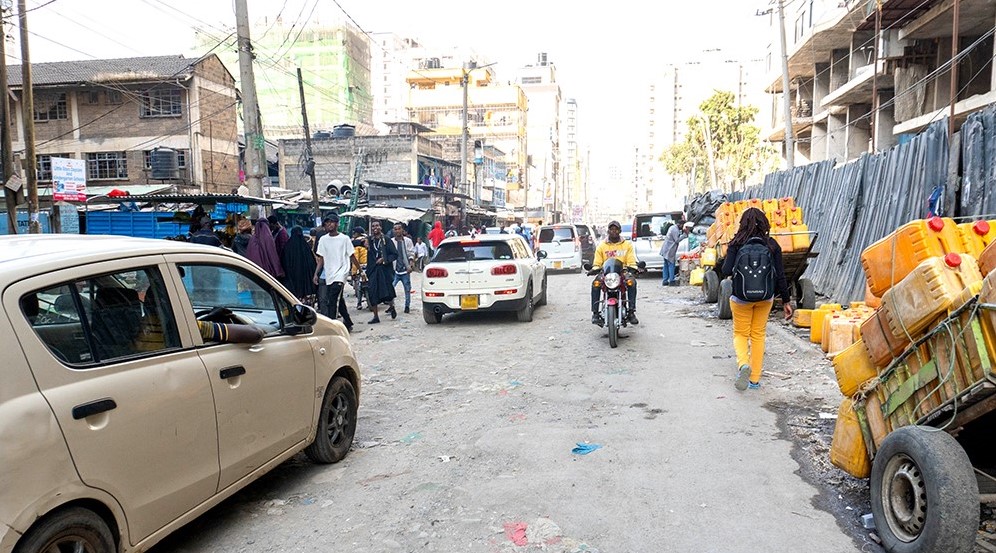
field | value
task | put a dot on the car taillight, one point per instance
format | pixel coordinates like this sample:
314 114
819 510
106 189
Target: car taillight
632 232
509 269
436 272
433 294
508 292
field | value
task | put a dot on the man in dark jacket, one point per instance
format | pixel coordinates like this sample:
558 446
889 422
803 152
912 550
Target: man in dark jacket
381 257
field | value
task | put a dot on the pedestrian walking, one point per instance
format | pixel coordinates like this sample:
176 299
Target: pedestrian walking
436 235
669 251
280 236
262 250
299 266
404 263
381 256
240 242
754 260
335 256
421 254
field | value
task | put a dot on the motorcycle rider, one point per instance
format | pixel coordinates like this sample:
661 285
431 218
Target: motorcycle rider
614 246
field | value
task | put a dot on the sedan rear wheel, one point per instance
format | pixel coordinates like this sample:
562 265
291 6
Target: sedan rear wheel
74 529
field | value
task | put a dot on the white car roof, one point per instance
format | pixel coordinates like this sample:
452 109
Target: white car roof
482 238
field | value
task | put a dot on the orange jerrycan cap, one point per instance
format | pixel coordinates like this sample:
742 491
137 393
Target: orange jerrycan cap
981 228
952 259
936 224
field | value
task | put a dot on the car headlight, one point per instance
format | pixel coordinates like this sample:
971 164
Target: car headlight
612 280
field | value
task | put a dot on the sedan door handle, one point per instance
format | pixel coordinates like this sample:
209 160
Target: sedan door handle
96 407
232 372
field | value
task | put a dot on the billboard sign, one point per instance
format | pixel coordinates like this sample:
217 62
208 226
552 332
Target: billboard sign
68 179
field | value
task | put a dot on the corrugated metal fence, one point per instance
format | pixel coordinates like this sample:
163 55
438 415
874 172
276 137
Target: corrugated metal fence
853 205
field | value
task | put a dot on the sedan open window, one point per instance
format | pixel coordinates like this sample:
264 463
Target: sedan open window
230 295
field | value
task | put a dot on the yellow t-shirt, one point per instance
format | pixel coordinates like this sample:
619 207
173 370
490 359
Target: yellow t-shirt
623 250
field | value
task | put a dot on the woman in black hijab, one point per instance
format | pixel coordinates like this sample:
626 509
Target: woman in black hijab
299 265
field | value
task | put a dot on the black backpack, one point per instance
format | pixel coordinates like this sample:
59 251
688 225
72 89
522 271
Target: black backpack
754 271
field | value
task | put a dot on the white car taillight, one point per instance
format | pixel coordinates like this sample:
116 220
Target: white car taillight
436 272
507 269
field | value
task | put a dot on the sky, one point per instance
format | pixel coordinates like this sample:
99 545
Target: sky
605 52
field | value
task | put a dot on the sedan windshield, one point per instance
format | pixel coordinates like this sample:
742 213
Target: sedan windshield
472 251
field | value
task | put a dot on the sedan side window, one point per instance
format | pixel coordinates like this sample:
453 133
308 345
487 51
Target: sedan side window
104 318
230 295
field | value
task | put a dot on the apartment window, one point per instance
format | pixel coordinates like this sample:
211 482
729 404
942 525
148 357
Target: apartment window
800 26
43 166
107 165
162 102
91 97
51 107
113 97
532 80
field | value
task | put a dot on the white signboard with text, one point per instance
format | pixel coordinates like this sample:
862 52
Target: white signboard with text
68 179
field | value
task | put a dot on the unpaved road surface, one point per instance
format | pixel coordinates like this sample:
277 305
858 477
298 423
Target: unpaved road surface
466 430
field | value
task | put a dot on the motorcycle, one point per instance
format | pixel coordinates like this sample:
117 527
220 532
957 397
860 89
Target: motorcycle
613 280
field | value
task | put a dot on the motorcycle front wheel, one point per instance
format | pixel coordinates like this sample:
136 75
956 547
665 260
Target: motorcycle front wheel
612 321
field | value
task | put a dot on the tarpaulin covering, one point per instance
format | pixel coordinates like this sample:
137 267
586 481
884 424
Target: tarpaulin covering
855 204
978 159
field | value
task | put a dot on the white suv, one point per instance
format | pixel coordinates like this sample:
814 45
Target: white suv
562 244
126 409
492 272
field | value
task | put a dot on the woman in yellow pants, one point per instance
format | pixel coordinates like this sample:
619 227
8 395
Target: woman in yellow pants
750 318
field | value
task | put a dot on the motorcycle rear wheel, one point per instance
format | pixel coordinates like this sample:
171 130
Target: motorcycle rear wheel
611 320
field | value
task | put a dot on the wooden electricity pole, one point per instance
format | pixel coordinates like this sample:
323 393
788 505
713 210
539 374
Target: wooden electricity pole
310 161
255 152
6 148
28 109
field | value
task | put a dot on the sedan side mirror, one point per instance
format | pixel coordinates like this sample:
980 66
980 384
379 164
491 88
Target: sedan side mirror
304 315
541 254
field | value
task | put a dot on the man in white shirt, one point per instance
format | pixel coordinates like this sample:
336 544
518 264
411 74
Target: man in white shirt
336 256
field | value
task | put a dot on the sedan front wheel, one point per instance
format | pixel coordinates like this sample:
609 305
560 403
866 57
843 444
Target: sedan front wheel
336 423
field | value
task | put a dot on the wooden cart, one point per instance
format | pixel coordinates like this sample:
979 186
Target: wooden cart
718 290
932 456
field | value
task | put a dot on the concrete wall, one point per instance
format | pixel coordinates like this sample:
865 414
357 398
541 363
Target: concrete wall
384 158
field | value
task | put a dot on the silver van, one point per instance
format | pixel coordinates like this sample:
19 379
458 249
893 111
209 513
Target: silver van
648 235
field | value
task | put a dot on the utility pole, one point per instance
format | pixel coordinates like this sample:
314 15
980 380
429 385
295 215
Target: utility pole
28 108
311 156
786 93
255 153
464 81
6 149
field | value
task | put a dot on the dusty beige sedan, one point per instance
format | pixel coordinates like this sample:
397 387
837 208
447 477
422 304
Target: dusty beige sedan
126 408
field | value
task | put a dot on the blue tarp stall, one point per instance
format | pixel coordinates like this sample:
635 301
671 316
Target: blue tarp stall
138 224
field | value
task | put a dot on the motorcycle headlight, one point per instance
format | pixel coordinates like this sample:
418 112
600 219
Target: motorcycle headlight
612 280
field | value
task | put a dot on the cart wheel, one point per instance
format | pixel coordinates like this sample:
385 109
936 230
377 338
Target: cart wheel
723 300
924 494
710 286
806 294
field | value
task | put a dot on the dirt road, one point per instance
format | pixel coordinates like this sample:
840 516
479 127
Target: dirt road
466 432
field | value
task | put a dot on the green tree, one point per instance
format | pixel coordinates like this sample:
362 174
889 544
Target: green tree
737 149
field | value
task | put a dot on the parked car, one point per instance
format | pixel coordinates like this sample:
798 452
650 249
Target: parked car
562 244
648 236
493 272
589 239
121 419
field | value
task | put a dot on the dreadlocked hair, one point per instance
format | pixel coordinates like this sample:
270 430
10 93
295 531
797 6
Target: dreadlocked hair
753 223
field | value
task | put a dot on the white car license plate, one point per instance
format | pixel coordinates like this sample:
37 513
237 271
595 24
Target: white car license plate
558 264
469 302
657 244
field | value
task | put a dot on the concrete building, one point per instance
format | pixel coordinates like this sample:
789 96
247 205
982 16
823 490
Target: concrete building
571 170
392 57
496 116
539 83
406 156
674 95
114 112
335 65
853 90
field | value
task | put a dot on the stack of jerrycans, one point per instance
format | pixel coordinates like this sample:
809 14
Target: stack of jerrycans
922 274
